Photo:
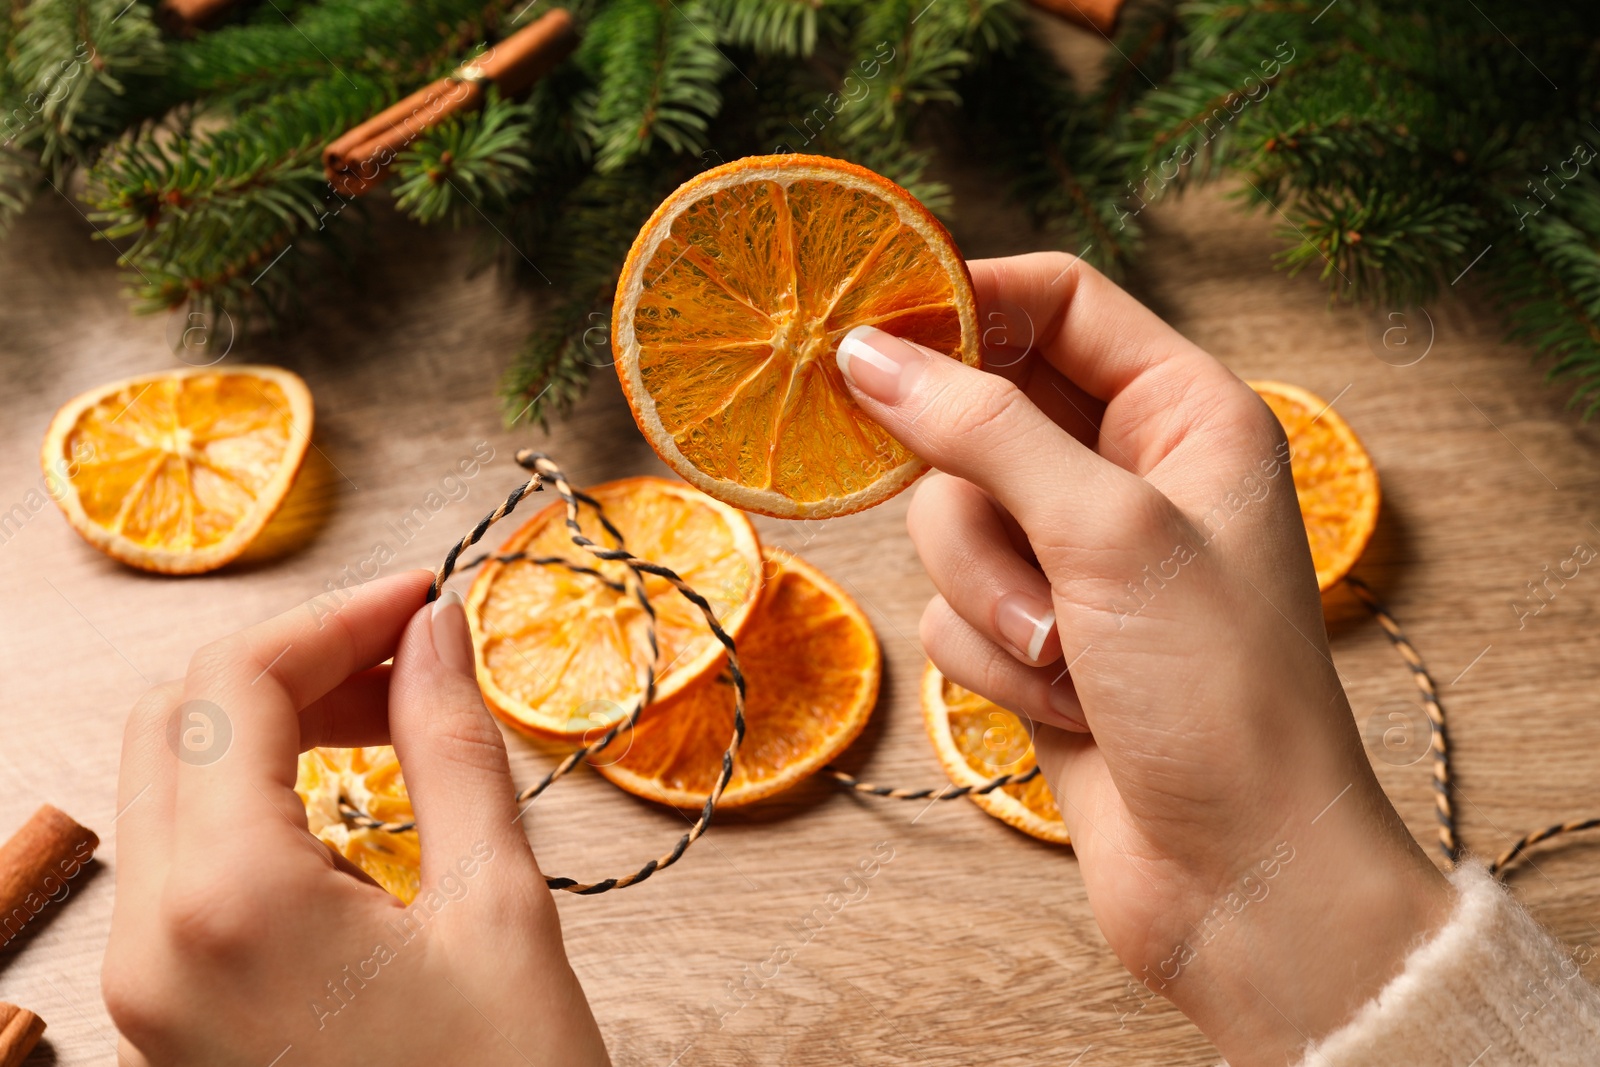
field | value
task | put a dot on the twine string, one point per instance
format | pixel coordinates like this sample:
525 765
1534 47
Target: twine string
543 471
1443 780
1439 744
1439 749
948 792
1527 841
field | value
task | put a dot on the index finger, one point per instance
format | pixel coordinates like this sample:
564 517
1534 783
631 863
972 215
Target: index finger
249 687
1166 399
1082 323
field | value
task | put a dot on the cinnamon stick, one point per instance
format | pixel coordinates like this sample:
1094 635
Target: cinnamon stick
37 865
186 16
356 161
20 1030
1099 15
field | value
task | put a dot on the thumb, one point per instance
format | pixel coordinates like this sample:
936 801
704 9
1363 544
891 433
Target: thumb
451 751
977 426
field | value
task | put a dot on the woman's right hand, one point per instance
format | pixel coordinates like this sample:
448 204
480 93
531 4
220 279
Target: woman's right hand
1119 555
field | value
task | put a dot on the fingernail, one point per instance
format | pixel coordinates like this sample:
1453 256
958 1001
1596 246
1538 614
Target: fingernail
879 364
451 641
1026 622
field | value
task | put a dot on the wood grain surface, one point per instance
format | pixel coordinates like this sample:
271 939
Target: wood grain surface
972 943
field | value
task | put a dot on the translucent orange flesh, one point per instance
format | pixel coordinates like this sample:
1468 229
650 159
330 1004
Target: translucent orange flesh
744 303
993 741
370 779
574 649
1335 483
810 664
177 463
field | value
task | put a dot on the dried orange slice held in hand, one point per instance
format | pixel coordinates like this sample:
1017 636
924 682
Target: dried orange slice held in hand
178 472
811 663
977 741
730 307
370 779
1333 477
561 654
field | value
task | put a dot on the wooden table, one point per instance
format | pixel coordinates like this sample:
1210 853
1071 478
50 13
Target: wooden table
974 943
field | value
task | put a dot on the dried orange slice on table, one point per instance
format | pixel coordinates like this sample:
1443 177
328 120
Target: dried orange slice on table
178 472
811 663
1333 477
977 741
562 654
729 309
370 779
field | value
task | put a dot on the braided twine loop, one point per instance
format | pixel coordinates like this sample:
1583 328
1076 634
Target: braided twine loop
543 471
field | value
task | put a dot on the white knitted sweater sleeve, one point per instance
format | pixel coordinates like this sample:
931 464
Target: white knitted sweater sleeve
1491 988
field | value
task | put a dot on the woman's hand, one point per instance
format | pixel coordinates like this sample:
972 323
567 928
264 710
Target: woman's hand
1119 555
239 938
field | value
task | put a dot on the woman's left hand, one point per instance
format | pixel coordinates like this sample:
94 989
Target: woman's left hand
239 938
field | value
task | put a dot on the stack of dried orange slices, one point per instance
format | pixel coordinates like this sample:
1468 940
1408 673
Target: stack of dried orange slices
563 649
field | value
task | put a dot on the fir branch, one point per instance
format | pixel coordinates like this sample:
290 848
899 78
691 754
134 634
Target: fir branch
19 178
1549 282
1025 109
404 44
557 152
551 371
480 157
1144 55
769 27
921 57
1192 122
588 234
252 270
656 68
906 58
211 208
1371 241
70 67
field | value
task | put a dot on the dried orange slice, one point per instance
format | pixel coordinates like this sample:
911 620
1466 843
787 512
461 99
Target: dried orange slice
370 779
562 654
729 309
811 663
1333 477
977 741
178 472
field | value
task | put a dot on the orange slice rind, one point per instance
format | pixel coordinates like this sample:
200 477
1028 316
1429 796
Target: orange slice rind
730 307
